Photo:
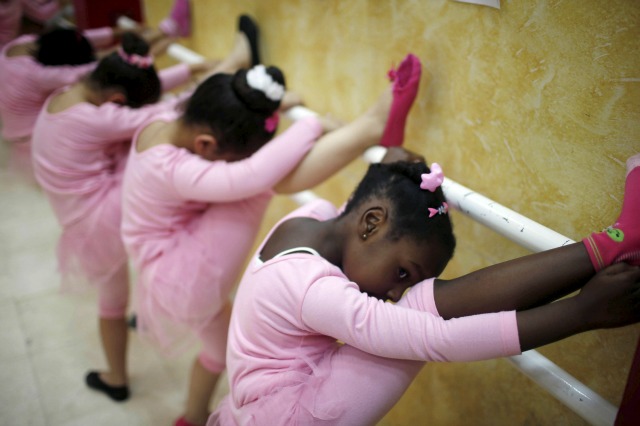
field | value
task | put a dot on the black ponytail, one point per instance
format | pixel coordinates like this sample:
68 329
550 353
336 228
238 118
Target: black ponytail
138 81
234 112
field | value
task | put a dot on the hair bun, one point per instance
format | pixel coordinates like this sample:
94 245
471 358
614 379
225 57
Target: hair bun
259 88
134 44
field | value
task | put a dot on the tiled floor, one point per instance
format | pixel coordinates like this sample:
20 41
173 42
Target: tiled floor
49 340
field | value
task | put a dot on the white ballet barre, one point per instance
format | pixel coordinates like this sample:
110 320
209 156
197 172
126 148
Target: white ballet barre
566 388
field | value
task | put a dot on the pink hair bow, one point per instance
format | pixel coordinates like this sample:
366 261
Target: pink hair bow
431 181
271 123
135 60
443 209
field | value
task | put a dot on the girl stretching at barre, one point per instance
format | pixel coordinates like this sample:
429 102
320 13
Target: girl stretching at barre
197 186
322 276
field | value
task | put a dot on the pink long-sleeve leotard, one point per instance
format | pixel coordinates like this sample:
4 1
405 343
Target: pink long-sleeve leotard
25 83
286 368
79 156
188 225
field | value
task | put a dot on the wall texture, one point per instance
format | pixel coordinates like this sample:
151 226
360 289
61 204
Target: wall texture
535 105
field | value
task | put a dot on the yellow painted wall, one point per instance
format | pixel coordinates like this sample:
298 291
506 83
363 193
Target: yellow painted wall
535 105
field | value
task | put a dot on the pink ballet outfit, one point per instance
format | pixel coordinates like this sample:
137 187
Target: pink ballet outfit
286 368
188 225
10 20
25 84
79 157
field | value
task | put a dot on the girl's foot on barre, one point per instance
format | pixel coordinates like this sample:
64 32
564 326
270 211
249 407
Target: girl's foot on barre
406 81
178 23
621 241
248 27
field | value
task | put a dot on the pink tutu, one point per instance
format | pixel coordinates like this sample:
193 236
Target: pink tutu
180 292
90 250
296 404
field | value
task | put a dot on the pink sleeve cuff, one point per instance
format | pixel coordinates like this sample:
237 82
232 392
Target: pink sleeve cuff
420 297
511 338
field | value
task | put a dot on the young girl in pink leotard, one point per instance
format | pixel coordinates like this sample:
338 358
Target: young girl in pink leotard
80 144
196 188
322 276
33 67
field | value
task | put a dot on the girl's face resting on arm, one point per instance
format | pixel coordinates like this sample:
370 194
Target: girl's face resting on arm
385 268
397 232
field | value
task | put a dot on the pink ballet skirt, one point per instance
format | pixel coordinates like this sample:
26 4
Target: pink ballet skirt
90 250
180 292
295 404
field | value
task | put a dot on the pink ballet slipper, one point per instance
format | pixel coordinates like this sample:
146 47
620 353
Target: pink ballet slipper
406 80
178 23
621 241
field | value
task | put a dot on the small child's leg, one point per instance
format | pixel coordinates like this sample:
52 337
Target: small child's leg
113 300
620 242
243 53
248 27
207 368
383 123
353 373
517 284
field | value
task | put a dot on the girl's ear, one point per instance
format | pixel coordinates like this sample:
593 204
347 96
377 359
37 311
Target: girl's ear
116 97
371 221
205 146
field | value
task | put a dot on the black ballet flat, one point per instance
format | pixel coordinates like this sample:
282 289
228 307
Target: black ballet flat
132 322
250 29
117 393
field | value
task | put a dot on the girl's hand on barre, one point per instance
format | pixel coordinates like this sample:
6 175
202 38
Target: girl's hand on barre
612 297
396 153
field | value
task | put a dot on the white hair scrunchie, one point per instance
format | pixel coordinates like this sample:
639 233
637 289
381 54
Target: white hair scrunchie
259 79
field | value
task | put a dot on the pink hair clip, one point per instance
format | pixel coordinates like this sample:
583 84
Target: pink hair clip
135 59
443 209
271 123
431 181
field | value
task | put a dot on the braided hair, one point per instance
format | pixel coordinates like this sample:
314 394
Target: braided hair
399 183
